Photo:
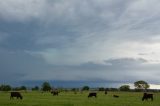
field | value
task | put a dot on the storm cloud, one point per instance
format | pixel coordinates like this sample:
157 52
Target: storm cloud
79 40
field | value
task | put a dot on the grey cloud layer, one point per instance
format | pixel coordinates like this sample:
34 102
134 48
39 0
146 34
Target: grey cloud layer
69 38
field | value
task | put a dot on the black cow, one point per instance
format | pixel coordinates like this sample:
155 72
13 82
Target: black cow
92 94
54 93
105 92
16 94
147 96
115 96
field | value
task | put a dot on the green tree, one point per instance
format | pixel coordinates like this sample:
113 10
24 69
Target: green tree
141 85
36 88
101 89
22 88
46 86
124 88
5 87
85 88
74 89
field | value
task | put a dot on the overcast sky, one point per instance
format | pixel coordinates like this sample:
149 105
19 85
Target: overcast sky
80 40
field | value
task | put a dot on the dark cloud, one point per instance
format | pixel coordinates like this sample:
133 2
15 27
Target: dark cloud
79 40
122 70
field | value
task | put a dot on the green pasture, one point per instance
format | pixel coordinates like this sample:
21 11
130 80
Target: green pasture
79 99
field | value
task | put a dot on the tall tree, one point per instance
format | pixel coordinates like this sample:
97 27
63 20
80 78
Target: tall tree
46 86
141 85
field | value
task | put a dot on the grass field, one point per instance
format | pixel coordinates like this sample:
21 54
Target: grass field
71 99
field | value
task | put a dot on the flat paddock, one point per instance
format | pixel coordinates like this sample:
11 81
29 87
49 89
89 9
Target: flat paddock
80 99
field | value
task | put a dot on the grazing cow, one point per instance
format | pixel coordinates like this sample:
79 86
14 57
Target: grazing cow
54 93
105 92
147 96
115 96
92 94
16 94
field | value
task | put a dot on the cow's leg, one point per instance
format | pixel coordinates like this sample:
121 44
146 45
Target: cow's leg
145 99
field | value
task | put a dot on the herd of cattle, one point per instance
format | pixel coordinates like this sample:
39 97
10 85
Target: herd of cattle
18 95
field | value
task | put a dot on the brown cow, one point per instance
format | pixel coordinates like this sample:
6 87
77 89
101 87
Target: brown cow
16 94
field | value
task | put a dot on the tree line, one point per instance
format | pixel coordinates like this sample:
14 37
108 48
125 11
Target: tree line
4 87
139 86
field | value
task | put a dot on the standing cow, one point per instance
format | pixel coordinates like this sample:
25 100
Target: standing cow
16 94
54 93
147 96
92 94
105 92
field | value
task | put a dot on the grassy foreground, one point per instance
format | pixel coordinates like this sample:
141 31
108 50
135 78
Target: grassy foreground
71 99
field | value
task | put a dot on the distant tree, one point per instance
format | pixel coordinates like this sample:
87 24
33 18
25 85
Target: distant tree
46 86
74 89
141 85
107 89
5 88
101 89
36 88
124 88
22 88
85 88
16 88
113 89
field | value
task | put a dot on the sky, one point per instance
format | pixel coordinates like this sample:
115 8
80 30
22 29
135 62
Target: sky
110 41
